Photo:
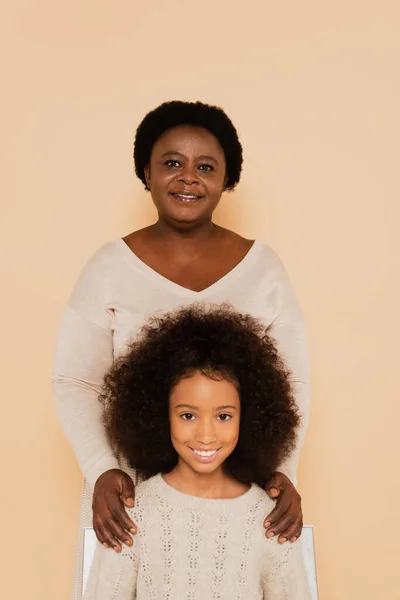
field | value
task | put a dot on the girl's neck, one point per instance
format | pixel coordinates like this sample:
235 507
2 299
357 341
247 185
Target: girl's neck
215 485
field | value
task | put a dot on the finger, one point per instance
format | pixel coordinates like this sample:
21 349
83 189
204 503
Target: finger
272 486
122 518
273 492
292 533
286 528
128 492
280 526
279 511
118 532
105 536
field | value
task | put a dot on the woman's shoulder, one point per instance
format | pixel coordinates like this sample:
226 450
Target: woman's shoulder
97 272
100 259
268 256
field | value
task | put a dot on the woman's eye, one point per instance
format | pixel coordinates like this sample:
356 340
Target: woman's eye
206 168
187 417
172 163
224 417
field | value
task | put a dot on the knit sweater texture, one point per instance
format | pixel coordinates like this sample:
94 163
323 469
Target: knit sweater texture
190 548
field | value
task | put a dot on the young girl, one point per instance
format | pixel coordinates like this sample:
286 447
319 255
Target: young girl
201 406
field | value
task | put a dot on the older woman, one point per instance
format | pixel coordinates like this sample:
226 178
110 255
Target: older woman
187 155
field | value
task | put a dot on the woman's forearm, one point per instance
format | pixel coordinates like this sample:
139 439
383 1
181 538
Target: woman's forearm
83 356
289 330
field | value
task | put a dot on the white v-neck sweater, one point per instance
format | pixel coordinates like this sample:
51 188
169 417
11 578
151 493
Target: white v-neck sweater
190 548
113 297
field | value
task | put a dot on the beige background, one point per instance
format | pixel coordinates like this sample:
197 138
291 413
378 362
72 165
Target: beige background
313 88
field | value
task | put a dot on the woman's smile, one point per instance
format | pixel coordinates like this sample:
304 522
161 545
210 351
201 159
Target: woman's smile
186 198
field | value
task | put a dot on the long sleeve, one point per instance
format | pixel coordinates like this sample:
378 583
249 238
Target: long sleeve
113 576
284 576
288 329
83 355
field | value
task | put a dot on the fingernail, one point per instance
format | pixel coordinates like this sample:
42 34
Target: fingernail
270 534
117 549
133 530
128 542
105 545
267 524
130 501
282 540
293 539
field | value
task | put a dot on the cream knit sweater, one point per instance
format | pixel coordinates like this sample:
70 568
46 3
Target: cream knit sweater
190 548
113 297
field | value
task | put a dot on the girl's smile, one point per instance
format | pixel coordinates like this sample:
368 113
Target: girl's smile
205 456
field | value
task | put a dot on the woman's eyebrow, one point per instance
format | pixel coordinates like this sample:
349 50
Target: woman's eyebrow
207 157
201 157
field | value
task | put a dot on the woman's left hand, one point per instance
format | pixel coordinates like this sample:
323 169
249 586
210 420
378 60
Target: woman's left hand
286 520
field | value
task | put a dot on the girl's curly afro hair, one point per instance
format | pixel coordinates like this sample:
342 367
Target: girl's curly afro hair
222 344
175 113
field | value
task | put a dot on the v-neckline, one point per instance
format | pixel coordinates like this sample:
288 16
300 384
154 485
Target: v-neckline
242 265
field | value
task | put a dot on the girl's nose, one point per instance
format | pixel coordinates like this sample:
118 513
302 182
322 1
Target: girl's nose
205 433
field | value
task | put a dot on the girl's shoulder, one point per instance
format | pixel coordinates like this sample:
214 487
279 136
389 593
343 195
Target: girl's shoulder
155 494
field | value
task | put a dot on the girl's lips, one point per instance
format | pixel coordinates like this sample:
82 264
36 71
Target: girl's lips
205 459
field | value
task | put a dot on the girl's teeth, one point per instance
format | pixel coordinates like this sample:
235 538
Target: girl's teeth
204 452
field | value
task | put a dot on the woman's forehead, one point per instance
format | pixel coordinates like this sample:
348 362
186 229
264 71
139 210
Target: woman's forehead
188 138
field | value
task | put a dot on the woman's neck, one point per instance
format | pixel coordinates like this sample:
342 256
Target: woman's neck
215 485
189 237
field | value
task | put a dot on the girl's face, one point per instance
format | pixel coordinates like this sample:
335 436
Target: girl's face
204 421
186 175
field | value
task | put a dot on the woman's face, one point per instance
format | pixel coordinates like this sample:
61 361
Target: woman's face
186 175
204 422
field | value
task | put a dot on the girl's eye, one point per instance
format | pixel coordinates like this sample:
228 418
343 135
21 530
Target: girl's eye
224 417
187 417
172 163
206 168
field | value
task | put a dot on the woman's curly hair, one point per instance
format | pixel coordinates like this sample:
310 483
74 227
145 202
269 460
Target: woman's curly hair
175 113
222 344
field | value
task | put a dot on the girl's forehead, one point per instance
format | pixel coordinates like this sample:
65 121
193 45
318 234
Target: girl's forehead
202 392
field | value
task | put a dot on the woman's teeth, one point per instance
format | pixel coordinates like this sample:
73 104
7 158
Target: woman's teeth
187 197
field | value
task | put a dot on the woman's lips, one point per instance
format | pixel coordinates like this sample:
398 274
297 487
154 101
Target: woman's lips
186 198
205 456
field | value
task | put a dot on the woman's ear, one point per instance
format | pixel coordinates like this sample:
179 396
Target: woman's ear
147 176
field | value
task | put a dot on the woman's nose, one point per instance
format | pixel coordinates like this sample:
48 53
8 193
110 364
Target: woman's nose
188 175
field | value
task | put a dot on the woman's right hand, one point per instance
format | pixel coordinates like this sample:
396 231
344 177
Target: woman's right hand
113 491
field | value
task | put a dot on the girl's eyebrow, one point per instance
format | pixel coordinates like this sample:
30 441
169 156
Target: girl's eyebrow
225 407
176 153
